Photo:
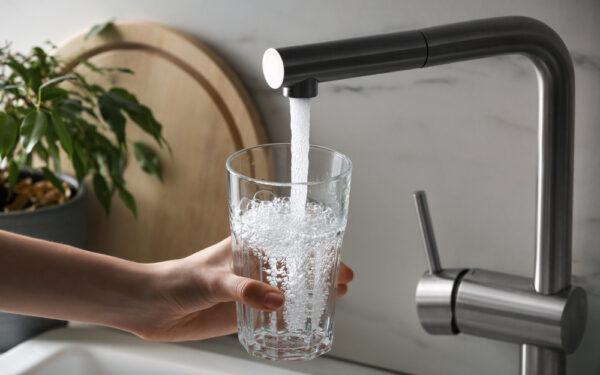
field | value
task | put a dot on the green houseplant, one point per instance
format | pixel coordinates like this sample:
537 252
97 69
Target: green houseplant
37 118
48 114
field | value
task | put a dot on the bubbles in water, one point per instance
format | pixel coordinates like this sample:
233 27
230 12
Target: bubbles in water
297 254
264 195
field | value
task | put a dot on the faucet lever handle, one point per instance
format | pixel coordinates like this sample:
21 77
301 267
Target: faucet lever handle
433 257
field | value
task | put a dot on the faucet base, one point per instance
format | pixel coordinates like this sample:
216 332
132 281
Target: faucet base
507 307
500 306
536 360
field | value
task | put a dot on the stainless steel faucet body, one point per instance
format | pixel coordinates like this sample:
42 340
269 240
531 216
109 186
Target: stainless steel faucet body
545 315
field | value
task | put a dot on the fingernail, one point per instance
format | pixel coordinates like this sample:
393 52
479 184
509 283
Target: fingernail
273 300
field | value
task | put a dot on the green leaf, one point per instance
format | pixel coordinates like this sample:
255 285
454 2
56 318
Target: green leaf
128 199
50 44
91 66
79 167
8 133
53 92
80 161
124 70
50 176
34 79
63 135
138 113
18 68
148 160
91 88
50 82
97 29
126 99
13 175
23 111
117 166
55 155
39 52
41 151
144 118
101 70
41 57
72 108
56 80
51 136
102 192
33 128
95 89
23 159
111 113
17 89
81 153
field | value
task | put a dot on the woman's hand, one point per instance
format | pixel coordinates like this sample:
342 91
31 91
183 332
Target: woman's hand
184 299
193 298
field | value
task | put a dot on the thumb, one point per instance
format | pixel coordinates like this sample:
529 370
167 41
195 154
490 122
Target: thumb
250 292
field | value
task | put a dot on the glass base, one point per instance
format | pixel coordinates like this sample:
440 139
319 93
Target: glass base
287 346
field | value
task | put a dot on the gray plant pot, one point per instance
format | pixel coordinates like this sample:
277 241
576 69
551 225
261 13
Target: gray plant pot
64 223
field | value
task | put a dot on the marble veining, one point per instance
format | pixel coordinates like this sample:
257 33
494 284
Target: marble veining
503 121
586 61
591 282
437 81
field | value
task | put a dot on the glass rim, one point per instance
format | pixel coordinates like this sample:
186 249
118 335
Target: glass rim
338 176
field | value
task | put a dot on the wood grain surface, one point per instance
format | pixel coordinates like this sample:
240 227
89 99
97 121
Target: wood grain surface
206 115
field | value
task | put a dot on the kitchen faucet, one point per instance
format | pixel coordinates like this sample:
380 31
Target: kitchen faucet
545 315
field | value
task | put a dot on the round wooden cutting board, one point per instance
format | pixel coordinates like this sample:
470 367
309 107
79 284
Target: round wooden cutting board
206 115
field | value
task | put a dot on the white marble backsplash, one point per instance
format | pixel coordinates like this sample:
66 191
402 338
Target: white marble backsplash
465 133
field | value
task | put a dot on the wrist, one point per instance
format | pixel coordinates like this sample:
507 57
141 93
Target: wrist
158 294
138 298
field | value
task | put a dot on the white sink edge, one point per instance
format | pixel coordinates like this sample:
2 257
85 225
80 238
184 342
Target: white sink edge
36 352
222 355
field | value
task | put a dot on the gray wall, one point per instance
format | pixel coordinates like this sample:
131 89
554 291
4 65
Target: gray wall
466 133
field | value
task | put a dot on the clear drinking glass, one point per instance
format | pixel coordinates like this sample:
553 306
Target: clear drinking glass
295 251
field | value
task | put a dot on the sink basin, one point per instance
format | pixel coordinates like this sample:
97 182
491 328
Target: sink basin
100 351
93 350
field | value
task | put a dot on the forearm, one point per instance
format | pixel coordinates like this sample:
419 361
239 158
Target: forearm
59 281
184 299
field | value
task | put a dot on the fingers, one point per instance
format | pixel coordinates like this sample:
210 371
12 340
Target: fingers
341 290
345 274
262 296
252 293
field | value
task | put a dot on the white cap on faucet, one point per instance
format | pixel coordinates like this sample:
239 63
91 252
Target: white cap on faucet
273 68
